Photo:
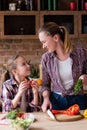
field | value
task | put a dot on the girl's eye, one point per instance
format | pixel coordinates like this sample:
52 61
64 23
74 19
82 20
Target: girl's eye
24 63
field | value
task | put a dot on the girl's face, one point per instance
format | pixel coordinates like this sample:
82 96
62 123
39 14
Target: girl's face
23 68
50 43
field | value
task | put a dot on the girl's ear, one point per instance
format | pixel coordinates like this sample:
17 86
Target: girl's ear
14 71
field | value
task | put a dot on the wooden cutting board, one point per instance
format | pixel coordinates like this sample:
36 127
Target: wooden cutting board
65 118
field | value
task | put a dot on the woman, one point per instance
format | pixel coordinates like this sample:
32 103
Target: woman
62 65
17 91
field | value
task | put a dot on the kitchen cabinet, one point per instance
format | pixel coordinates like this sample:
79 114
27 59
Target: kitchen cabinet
19 24
82 24
69 19
25 24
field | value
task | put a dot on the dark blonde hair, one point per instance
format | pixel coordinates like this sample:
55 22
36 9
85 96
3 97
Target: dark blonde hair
51 28
11 64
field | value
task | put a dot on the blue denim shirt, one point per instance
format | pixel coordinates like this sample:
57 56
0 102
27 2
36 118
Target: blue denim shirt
50 75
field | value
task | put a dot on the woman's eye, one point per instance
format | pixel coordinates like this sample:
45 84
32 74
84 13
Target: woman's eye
43 42
24 64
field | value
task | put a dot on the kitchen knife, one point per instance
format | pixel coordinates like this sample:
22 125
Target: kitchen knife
51 114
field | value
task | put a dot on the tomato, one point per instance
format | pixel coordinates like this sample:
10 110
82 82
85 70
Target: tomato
21 115
31 82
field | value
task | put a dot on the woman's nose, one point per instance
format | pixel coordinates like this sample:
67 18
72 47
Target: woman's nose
44 45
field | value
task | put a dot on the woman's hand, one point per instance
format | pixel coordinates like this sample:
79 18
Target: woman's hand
46 104
84 80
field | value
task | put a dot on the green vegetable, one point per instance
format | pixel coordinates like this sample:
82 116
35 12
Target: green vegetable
20 123
78 86
34 72
13 114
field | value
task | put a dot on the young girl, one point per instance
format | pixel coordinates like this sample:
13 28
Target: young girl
17 91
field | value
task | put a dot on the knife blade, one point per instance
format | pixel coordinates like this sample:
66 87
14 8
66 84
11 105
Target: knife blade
50 114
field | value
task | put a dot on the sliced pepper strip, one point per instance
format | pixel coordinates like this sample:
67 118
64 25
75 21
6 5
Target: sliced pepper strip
73 110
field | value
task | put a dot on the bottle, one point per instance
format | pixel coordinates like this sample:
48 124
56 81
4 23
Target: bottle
0 4
21 31
49 5
23 5
18 5
31 4
4 4
55 4
42 5
27 4
80 4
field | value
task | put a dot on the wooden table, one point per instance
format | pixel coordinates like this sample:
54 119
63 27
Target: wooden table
42 123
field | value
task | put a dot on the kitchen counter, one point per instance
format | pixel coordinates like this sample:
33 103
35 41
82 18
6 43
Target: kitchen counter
43 123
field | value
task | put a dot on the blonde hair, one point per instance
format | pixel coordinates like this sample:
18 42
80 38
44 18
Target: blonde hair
67 42
51 28
11 64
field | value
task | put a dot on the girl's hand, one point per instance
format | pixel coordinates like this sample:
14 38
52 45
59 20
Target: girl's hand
24 85
34 86
84 80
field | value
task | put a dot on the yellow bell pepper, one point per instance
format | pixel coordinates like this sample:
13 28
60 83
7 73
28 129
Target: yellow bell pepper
85 113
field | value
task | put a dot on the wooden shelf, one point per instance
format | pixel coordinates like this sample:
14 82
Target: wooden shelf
75 21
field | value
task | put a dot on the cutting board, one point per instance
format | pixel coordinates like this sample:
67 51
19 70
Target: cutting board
66 118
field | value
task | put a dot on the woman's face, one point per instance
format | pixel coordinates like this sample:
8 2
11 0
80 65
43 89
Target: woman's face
23 68
48 42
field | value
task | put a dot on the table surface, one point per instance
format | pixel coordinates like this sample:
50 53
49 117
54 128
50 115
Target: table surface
42 123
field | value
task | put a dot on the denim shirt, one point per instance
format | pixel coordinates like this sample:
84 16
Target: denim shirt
50 76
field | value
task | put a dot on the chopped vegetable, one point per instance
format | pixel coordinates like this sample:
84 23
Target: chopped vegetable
85 113
20 120
20 123
14 114
73 110
56 111
21 115
78 86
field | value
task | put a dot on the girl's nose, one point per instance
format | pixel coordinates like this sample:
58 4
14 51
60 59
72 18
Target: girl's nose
28 65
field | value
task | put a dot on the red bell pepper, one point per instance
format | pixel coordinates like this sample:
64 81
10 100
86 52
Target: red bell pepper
73 110
59 111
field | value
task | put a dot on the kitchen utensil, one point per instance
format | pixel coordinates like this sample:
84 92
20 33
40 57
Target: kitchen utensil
51 115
